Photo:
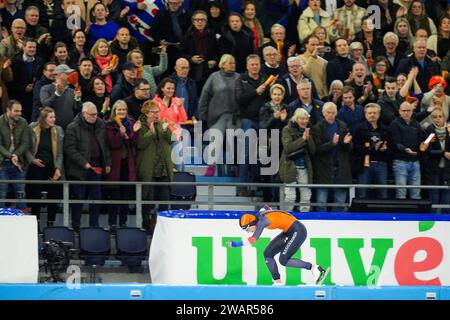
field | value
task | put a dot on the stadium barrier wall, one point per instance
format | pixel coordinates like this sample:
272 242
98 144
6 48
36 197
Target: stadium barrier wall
189 248
19 256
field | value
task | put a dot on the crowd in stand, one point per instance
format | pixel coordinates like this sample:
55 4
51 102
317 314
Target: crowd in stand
359 95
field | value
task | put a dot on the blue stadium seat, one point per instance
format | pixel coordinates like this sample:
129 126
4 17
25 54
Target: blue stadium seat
95 245
59 233
131 245
183 193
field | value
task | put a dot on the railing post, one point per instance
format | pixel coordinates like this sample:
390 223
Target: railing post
282 194
351 195
210 197
66 204
139 205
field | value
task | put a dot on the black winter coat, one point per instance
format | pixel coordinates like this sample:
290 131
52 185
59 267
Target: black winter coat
433 156
189 48
423 77
77 151
323 157
250 103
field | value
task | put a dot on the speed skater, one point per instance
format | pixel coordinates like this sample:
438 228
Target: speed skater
286 243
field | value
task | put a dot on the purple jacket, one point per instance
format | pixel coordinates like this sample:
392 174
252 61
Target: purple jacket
116 141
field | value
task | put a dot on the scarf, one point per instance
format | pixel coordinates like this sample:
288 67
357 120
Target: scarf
127 124
139 72
103 63
201 39
441 132
176 24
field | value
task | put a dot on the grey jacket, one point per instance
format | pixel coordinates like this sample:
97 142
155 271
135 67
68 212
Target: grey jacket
65 106
218 97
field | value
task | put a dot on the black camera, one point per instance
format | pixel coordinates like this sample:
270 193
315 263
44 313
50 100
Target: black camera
57 258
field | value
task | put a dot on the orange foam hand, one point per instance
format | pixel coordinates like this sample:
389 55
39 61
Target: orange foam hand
270 80
117 120
114 61
73 79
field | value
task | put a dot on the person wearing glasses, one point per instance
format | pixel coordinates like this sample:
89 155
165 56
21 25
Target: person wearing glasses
137 99
291 79
87 158
153 161
199 46
272 65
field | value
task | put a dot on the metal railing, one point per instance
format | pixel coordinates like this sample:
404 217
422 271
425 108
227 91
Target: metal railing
139 202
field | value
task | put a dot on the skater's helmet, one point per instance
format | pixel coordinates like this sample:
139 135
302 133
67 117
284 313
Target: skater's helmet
247 220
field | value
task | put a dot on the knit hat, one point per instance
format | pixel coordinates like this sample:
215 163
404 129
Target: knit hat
437 80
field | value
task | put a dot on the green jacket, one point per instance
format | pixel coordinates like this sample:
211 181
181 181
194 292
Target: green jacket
21 138
11 50
323 159
293 142
147 149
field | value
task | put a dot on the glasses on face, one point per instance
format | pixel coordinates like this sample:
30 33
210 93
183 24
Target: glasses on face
92 114
271 54
144 89
199 19
295 66
381 65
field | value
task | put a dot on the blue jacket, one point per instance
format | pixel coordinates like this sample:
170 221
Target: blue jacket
350 117
316 112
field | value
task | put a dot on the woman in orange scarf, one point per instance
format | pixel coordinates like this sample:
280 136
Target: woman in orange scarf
106 61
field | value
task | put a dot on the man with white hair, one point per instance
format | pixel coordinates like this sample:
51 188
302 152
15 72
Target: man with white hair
427 68
87 158
390 43
290 80
331 161
13 44
272 65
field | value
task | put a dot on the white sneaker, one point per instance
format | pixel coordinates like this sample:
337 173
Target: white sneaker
277 284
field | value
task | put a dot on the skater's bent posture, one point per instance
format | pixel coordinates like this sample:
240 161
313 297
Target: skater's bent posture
286 243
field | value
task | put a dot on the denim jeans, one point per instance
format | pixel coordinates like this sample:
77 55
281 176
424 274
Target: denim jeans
339 194
439 196
248 172
406 173
8 171
305 193
84 192
375 174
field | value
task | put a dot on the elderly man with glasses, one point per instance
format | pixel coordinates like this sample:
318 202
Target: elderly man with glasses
290 80
88 158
